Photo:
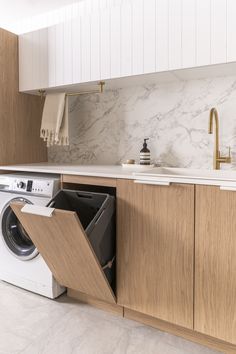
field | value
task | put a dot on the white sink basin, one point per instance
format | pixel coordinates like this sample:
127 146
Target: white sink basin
185 173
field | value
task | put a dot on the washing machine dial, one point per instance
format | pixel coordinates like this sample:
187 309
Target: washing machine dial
21 184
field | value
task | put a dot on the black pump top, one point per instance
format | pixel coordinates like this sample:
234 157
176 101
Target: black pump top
145 149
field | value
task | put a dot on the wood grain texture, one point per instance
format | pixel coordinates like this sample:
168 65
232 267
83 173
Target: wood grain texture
96 181
67 251
20 114
113 308
155 245
188 334
215 280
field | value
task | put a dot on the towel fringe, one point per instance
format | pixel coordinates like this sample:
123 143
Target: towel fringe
49 137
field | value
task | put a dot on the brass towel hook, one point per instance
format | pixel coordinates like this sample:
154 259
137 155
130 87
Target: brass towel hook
42 93
101 84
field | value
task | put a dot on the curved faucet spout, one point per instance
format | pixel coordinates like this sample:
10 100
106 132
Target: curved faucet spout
217 158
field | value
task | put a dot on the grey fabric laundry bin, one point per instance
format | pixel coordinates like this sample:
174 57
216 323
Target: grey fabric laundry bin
96 212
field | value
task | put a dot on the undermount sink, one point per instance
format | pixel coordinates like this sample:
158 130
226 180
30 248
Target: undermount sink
172 172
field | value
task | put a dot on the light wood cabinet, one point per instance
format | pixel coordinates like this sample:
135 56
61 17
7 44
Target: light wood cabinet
155 245
20 114
215 263
176 265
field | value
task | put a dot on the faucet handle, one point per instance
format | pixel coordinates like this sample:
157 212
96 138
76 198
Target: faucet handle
228 158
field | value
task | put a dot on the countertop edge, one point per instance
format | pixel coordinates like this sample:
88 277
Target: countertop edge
66 172
118 174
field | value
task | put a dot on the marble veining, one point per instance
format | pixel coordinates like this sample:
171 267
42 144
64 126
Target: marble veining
109 128
31 324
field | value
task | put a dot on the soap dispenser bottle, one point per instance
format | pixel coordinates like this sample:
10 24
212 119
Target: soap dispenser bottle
145 157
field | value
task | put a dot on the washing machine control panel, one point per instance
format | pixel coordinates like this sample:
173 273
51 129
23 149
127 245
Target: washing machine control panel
33 186
45 187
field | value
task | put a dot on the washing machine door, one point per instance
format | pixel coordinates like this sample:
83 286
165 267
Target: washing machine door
14 235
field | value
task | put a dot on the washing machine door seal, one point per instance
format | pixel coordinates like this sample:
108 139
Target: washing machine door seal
14 235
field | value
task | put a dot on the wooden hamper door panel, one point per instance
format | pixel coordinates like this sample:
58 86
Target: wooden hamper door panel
155 250
67 251
215 279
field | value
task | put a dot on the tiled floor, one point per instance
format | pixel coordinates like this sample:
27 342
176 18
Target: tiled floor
31 324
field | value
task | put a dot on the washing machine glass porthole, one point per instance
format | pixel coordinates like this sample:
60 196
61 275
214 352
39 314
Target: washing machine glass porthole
14 235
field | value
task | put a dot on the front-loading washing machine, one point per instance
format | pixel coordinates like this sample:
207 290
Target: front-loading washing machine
20 262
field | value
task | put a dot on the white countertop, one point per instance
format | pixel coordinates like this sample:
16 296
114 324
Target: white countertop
109 171
225 179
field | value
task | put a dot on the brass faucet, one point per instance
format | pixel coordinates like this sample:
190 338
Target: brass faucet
217 158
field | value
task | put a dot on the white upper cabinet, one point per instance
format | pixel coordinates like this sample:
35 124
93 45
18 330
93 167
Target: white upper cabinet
149 36
109 39
115 42
188 33
137 39
59 55
76 50
105 44
203 32
95 47
33 60
218 31
162 35
126 38
85 48
231 30
51 57
175 34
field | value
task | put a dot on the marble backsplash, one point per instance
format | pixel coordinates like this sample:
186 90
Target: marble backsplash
110 128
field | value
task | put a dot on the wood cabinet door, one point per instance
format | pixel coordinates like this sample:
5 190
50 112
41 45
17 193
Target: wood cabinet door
64 246
215 279
155 250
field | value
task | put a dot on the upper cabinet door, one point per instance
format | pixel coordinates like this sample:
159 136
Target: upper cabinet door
59 54
175 34
162 35
33 60
215 263
67 52
149 36
115 42
85 49
188 33
25 62
138 35
126 38
218 31
231 30
203 32
105 43
52 56
76 50
95 47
